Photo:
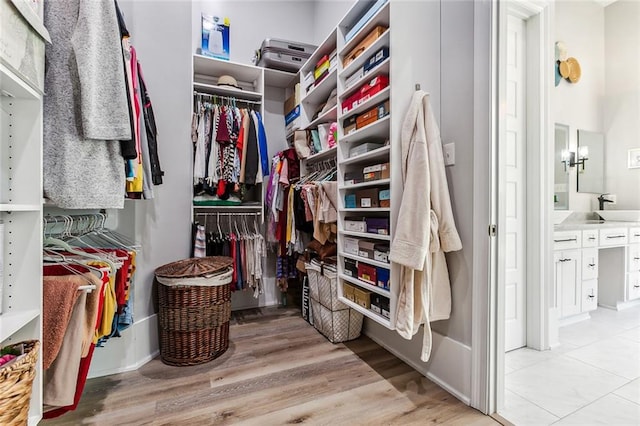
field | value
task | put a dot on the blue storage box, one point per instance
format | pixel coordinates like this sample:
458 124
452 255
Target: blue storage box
350 201
364 19
383 275
376 59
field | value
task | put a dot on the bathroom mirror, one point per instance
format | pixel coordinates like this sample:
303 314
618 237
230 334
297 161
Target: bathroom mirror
561 171
590 162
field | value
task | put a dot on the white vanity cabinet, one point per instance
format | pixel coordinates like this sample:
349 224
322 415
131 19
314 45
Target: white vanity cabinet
568 282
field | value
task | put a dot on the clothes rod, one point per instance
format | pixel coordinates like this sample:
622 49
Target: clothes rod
228 98
230 214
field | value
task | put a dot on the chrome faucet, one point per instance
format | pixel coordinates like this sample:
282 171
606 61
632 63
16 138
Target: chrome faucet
602 200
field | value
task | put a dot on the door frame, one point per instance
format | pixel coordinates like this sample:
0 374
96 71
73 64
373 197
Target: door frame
487 393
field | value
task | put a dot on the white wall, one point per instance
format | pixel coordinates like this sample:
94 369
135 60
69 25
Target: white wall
580 24
326 15
161 225
622 103
253 21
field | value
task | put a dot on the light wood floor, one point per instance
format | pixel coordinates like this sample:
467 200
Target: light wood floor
278 370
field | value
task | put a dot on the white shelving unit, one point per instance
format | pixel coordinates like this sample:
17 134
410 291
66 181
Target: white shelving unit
21 208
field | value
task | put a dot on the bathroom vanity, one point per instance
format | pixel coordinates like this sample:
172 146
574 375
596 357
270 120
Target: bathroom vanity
596 263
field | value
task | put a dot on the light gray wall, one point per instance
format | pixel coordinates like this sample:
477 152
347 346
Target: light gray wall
580 24
326 15
162 225
253 21
622 103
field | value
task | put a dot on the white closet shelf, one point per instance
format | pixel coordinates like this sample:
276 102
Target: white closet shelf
381 17
205 65
231 208
366 235
366 260
277 78
13 86
328 117
329 153
376 154
367 210
369 132
327 46
367 286
212 89
383 68
11 322
378 182
382 41
320 93
367 312
373 101
19 207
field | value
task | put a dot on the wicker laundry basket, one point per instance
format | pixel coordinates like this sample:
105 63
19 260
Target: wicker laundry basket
16 381
335 320
194 297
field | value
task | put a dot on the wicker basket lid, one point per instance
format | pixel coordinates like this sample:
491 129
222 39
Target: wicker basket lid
194 267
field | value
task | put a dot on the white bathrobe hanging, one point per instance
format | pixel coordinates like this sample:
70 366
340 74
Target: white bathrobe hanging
425 229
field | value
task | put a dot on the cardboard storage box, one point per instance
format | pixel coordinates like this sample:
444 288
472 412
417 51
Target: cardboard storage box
351 245
367 273
381 253
363 45
376 172
350 201
377 225
364 148
376 303
366 118
351 178
366 248
367 197
383 109
355 224
293 100
350 124
384 196
362 297
382 277
348 292
351 268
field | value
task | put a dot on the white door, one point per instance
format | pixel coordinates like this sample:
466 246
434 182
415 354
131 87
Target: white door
514 187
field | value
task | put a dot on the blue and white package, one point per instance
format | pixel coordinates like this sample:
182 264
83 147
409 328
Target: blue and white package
215 37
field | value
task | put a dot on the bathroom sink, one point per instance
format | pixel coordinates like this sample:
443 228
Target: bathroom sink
620 215
560 215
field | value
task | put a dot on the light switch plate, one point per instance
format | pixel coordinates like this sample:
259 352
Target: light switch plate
449 153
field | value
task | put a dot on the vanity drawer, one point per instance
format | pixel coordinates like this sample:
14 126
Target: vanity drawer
633 286
563 240
590 238
590 264
589 295
633 258
634 235
613 236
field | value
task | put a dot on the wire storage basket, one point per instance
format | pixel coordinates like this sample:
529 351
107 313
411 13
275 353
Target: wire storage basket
194 298
335 320
16 381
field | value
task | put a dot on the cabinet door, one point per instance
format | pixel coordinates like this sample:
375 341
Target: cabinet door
633 286
589 295
568 282
633 264
589 264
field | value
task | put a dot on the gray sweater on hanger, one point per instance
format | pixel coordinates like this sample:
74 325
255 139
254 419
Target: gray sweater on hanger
86 110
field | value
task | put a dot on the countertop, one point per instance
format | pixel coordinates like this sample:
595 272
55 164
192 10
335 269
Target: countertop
590 224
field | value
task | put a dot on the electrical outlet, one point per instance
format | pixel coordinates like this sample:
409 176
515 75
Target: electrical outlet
449 154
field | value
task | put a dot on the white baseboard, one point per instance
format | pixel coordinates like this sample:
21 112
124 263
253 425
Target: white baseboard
137 346
620 306
449 366
574 319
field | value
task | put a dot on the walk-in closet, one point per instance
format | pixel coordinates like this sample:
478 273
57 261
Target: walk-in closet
270 212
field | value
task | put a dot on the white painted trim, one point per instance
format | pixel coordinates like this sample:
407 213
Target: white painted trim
447 357
484 267
574 319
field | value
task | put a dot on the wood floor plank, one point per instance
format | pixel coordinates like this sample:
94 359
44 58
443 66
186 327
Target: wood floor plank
278 370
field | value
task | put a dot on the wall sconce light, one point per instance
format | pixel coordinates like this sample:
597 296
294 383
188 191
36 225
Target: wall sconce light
569 157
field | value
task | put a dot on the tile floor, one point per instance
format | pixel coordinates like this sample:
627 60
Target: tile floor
593 377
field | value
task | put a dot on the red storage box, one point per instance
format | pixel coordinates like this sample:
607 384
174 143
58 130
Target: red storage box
367 273
365 92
